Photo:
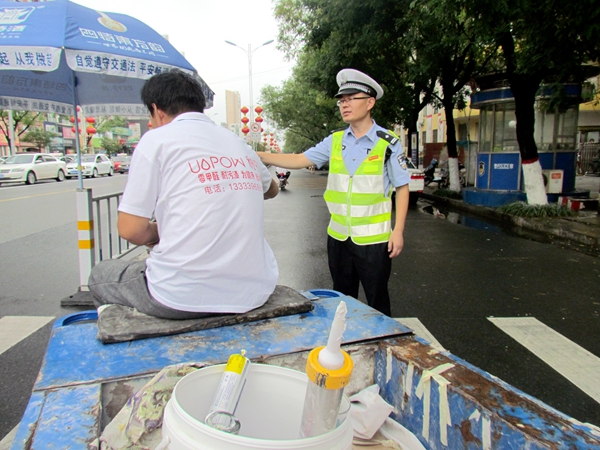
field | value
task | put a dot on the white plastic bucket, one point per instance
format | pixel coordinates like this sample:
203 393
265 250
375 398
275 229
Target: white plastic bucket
270 412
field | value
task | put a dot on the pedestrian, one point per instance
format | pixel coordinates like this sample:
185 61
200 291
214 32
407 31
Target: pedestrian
205 187
366 163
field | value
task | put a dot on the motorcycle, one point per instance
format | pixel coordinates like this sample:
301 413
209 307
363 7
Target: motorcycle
283 179
443 178
429 172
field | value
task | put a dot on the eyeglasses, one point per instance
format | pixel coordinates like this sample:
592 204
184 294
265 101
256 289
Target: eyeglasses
348 100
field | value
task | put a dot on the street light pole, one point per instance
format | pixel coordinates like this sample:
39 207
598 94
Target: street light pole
249 53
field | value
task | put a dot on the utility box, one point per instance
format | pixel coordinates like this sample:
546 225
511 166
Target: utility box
553 181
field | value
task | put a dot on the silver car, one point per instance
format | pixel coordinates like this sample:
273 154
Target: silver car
30 167
91 166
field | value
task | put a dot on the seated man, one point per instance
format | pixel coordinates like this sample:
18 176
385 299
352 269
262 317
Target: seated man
205 186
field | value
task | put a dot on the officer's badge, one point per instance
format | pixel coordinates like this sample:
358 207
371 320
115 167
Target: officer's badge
402 160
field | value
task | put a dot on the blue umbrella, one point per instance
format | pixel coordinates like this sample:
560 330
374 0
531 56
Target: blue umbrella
58 54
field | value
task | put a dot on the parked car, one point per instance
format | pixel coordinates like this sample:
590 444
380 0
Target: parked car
30 167
120 159
93 166
415 185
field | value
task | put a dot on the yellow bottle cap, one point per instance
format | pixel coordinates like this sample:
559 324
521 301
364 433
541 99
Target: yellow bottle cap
325 378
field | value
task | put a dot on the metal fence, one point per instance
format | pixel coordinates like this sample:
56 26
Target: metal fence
108 243
589 157
97 231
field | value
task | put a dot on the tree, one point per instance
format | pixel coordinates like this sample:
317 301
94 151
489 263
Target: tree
365 35
542 42
107 123
306 113
445 43
111 146
24 118
41 138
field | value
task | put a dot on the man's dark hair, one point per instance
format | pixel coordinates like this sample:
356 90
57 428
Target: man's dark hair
173 92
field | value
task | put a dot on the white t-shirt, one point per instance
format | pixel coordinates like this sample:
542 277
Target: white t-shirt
205 187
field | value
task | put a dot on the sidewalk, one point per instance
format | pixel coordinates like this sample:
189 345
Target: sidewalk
580 232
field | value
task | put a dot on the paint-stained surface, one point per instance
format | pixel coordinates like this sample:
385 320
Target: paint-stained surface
74 354
448 403
444 401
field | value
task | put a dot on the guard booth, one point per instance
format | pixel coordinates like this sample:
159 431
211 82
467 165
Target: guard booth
498 169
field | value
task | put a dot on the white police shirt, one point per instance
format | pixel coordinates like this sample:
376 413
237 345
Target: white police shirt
354 152
205 187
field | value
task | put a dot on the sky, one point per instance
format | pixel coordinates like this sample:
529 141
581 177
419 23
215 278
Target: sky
199 28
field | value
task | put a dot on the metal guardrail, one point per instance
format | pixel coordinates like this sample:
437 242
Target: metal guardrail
109 244
98 238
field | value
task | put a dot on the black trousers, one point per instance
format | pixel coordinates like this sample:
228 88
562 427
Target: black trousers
370 265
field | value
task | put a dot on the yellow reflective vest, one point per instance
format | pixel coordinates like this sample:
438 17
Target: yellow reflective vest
358 204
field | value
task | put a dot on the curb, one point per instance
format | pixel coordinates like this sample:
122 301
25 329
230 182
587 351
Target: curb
578 236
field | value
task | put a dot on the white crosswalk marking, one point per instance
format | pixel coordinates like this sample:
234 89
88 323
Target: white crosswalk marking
420 330
16 328
573 362
6 443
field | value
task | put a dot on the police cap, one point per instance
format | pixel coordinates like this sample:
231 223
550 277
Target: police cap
352 81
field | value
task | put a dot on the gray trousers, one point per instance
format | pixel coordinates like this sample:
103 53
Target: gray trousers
118 282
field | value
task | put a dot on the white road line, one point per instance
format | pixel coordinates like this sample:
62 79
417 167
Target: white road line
16 328
420 330
573 362
6 443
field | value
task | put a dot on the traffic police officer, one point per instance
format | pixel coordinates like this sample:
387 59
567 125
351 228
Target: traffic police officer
366 163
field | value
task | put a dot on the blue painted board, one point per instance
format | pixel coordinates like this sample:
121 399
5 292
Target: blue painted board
75 356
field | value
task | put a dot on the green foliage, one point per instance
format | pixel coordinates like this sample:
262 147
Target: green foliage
111 146
304 111
22 121
107 123
41 138
522 209
448 193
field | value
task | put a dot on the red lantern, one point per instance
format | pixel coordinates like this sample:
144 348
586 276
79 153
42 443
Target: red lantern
258 110
245 130
90 130
149 124
244 110
90 120
73 129
258 119
271 134
245 120
261 129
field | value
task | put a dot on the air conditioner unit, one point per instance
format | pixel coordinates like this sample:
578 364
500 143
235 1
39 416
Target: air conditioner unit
553 181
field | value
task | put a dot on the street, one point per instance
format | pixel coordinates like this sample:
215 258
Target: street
480 293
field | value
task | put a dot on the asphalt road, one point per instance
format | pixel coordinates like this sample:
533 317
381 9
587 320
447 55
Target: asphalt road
452 277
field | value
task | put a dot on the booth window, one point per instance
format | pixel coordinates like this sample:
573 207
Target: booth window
498 128
556 130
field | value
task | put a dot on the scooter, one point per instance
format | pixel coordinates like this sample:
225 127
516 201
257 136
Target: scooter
283 179
429 172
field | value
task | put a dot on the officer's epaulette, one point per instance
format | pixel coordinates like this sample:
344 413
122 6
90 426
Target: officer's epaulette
387 136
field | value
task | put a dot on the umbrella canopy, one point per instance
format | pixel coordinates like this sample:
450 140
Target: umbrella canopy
57 54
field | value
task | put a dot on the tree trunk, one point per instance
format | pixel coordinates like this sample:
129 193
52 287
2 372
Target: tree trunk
451 144
524 90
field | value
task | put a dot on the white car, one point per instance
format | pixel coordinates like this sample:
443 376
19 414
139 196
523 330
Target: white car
92 166
417 181
30 167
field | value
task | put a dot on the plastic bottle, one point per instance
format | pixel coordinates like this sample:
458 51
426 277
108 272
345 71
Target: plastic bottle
329 369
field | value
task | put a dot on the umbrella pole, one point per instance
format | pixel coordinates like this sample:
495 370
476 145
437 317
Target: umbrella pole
77 146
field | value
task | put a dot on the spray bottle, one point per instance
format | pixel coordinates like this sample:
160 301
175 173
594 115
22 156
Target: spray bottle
329 369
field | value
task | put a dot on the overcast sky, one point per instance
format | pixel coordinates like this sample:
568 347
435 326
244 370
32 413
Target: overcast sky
199 28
